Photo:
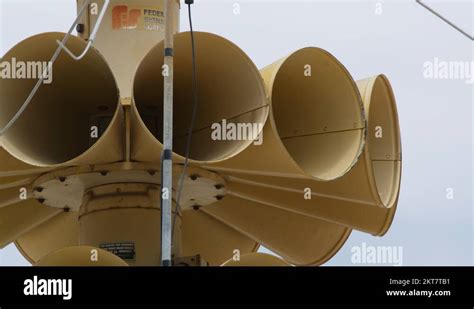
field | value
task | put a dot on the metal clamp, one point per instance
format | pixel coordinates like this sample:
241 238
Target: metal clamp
91 39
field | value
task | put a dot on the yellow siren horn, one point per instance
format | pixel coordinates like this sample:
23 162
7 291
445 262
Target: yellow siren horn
316 127
74 118
229 88
81 256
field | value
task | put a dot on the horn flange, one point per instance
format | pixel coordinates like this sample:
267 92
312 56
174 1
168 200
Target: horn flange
66 188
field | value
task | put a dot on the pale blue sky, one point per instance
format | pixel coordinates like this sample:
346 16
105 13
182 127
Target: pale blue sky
436 115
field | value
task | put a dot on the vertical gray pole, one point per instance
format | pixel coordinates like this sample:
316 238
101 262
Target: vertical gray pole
167 168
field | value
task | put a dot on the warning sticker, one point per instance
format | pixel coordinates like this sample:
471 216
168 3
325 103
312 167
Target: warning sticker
124 250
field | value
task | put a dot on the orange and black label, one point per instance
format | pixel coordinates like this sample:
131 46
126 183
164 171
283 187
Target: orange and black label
133 18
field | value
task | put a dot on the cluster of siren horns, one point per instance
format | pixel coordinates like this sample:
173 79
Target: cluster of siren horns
328 161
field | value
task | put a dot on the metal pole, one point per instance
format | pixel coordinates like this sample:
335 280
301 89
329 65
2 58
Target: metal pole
167 168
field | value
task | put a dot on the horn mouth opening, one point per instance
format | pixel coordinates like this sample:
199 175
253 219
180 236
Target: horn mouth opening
318 113
231 94
57 126
384 142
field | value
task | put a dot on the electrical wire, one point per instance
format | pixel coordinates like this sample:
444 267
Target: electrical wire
445 20
193 118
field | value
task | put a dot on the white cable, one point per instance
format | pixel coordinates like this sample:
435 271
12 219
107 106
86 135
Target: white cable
91 37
